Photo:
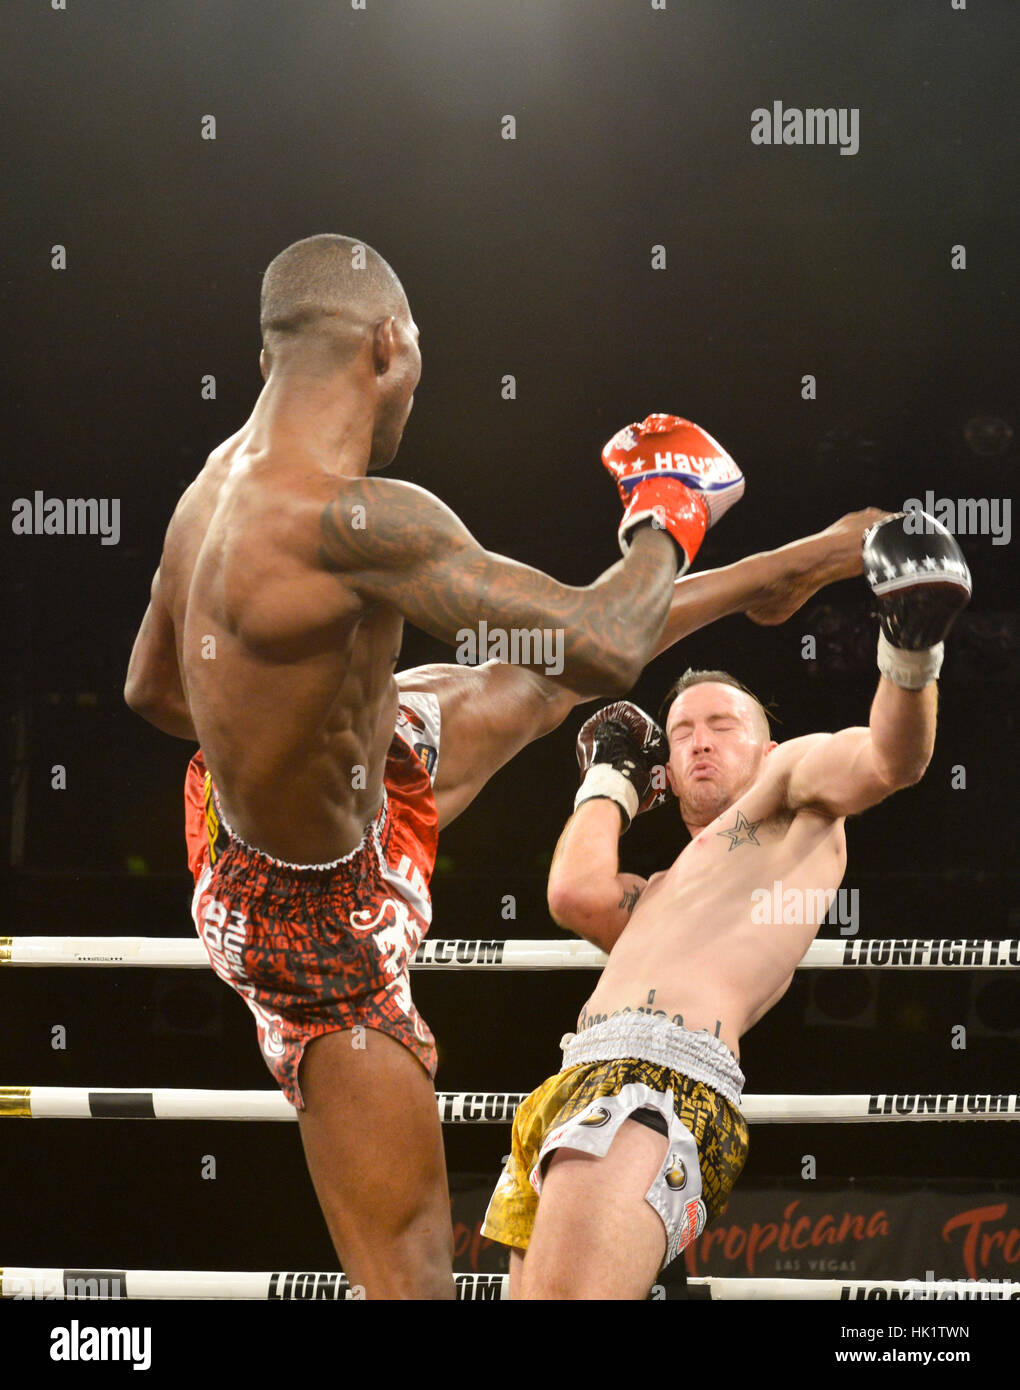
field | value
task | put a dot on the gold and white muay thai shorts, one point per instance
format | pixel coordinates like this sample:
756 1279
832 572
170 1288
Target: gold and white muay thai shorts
686 1085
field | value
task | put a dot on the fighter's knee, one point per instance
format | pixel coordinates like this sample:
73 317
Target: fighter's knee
437 1282
415 1270
542 1283
422 1258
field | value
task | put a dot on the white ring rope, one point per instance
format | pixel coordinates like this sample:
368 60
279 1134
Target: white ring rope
882 953
476 1107
289 1285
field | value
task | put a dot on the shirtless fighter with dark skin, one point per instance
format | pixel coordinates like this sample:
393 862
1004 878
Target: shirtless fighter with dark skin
271 637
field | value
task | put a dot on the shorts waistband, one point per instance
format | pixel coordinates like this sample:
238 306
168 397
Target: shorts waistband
694 1054
376 826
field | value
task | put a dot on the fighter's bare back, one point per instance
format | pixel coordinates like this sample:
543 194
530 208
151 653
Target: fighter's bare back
287 671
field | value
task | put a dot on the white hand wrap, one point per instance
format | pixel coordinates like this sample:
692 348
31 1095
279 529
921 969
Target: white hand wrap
909 670
601 780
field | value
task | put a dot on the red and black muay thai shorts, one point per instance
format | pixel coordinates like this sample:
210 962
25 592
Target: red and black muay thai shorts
324 948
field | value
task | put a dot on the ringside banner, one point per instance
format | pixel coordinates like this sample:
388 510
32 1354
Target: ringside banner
854 1233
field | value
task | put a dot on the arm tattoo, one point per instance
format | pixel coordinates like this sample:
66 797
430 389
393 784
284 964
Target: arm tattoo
630 897
403 547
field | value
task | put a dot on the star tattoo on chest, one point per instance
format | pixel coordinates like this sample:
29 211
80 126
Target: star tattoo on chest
742 833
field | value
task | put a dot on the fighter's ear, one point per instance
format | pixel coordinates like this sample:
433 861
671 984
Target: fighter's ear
770 747
264 364
382 345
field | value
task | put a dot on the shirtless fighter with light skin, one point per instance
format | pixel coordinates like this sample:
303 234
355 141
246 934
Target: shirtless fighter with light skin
271 637
691 968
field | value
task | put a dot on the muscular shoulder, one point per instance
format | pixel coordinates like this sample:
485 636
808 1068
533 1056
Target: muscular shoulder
383 523
244 548
781 768
783 759
186 533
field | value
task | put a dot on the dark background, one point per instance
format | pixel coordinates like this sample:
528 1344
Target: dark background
529 257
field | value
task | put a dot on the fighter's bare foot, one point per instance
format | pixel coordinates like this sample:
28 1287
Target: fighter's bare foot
833 554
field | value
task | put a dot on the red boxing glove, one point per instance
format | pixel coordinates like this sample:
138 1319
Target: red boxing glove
672 473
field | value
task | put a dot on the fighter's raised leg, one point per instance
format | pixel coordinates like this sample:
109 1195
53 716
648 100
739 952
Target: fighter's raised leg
490 712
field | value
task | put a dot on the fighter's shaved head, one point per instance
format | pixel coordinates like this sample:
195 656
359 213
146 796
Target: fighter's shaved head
328 287
691 677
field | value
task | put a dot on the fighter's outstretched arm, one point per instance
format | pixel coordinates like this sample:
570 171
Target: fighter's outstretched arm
490 712
920 582
845 773
395 543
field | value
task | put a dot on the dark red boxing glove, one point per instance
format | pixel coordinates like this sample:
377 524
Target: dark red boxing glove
671 473
622 754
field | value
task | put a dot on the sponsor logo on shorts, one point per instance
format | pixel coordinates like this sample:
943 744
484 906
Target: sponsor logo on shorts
596 1118
394 929
267 1024
676 1173
215 834
427 754
691 1224
225 933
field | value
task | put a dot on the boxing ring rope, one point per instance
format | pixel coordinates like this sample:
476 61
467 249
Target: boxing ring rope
66 1102
476 1107
881 953
112 1284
